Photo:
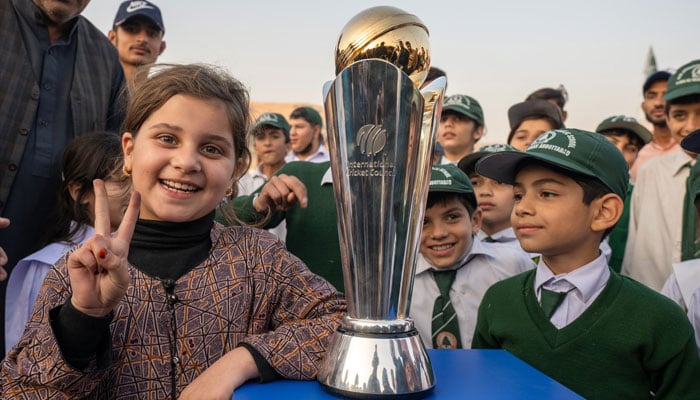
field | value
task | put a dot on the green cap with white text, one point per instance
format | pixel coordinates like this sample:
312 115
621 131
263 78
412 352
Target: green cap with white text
684 82
581 152
465 105
621 122
449 178
274 120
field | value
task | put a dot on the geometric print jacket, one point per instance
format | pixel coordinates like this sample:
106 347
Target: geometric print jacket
250 290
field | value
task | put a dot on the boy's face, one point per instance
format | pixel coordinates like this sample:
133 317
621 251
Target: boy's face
271 146
495 202
138 40
626 145
528 131
549 216
457 133
447 232
303 136
683 119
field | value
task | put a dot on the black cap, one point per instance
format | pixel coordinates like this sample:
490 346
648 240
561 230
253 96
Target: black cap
655 77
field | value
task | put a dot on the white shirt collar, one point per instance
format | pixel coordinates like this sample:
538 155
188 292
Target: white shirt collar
587 279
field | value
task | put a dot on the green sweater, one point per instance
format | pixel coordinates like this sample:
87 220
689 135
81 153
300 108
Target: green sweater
629 342
312 232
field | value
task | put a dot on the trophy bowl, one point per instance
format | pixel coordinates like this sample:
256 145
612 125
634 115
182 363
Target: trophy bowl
381 134
386 33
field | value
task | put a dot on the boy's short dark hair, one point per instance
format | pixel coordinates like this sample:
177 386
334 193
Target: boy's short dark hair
631 137
443 198
689 99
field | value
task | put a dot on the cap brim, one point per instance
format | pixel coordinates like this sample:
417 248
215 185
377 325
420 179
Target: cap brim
638 130
467 163
692 142
462 111
690 89
503 166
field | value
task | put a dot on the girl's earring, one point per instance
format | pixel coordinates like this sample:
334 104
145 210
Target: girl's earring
229 192
126 172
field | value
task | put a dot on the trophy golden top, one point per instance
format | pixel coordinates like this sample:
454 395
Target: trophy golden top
386 33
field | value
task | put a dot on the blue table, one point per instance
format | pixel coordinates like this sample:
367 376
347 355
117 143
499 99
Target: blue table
459 374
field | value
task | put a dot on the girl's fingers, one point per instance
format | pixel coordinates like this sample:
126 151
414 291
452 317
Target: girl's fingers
126 227
102 223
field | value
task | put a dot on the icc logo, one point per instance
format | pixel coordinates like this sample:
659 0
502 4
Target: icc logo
371 139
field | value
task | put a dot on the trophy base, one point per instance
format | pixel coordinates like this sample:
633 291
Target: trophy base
377 366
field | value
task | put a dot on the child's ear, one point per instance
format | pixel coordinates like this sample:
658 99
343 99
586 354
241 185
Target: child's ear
477 217
606 212
127 149
74 190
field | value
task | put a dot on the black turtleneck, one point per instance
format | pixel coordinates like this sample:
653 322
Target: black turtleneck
168 250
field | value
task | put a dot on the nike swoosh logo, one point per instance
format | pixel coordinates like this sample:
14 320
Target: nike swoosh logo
137 5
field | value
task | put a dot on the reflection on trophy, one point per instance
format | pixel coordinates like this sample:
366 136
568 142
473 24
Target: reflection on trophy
381 132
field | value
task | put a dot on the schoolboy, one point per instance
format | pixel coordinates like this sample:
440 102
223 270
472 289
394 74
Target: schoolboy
305 136
461 126
453 269
599 333
656 212
270 135
683 285
531 118
629 136
495 199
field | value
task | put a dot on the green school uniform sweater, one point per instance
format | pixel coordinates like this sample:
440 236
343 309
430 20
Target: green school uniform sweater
631 341
312 232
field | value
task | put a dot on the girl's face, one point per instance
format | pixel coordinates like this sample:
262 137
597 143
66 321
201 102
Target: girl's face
182 160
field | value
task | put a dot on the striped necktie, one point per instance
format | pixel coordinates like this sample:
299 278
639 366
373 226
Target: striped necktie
551 300
445 326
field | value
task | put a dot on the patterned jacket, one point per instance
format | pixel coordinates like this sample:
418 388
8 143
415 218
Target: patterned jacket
250 290
94 99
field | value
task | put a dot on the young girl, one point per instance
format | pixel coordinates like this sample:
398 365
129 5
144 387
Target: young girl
174 305
95 155
530 119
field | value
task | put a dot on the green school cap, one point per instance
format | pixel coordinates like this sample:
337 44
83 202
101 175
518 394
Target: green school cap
468 162
449 178
274 120
685 81
309 114
578 151
692 142
465 105
621 122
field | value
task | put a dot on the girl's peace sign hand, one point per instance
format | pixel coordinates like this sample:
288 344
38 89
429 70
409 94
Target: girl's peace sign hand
98 270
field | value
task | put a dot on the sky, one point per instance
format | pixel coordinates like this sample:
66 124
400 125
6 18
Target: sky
495 51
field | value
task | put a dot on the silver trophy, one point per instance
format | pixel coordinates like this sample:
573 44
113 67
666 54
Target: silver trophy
381 133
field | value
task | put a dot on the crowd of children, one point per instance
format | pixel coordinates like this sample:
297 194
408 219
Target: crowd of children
542 247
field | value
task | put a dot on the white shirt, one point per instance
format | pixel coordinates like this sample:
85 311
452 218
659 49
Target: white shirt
321 155
251 181
486 264
656 219
26 279
682 282
586 282
445 160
